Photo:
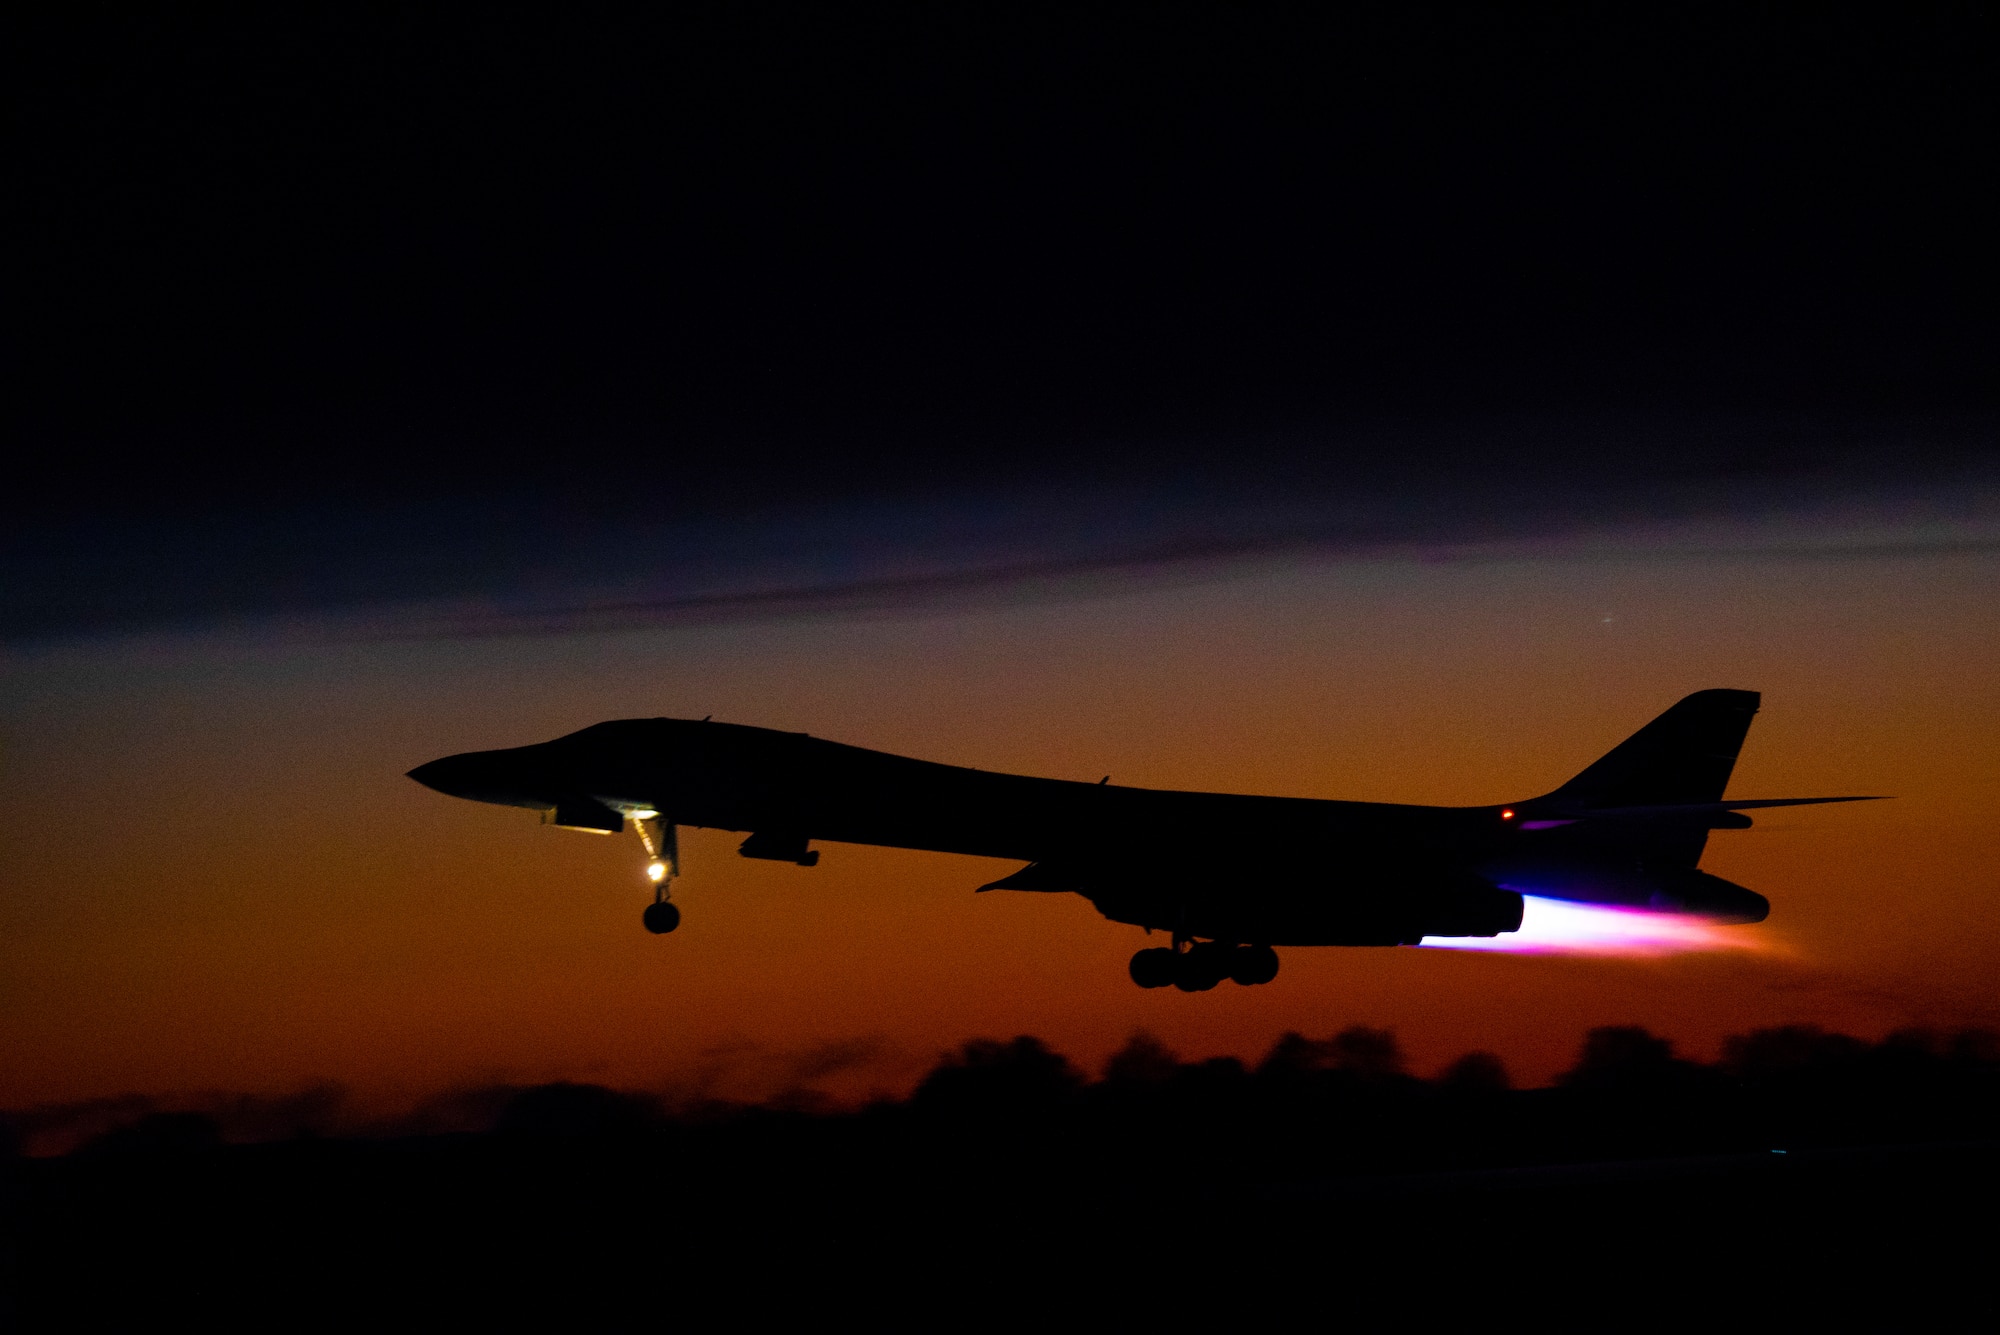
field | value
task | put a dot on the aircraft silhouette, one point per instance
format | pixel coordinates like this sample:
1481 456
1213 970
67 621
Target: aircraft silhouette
1628 830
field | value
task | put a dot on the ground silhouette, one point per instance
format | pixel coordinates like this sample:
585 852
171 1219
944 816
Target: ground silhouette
1325 1172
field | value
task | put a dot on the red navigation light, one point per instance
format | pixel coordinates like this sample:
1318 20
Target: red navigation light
1506 813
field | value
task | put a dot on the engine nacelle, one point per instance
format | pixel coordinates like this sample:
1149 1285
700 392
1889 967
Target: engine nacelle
1473 910
1361 913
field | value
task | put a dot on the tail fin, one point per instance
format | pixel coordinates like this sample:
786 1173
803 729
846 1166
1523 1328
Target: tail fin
1685 755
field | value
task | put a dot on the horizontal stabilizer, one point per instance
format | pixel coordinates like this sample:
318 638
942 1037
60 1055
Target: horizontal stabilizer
1658 890
1704 808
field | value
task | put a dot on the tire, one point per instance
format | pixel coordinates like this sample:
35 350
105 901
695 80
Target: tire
1251 966
661 918
1201 968
1153 968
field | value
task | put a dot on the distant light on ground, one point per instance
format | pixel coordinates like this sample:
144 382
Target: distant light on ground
1558 927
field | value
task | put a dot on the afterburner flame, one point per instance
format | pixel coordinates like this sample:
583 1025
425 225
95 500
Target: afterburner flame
1559 927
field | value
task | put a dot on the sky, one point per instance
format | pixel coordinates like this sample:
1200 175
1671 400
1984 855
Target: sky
1404 403
219 878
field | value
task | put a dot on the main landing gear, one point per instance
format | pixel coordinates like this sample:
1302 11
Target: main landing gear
664 863
1199 965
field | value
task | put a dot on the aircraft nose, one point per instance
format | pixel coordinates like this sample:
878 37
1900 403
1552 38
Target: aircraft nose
447 776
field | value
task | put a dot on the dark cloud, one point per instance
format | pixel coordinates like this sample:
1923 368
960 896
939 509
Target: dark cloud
522 565
531 322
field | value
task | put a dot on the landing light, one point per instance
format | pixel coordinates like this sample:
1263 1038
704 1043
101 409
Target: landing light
656 871
645 813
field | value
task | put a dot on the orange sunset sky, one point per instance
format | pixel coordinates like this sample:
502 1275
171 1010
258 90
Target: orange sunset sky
216 876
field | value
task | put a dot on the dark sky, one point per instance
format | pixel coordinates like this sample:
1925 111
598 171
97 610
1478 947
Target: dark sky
312 302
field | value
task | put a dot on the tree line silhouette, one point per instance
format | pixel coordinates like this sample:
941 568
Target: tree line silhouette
1342 1104
1325 1171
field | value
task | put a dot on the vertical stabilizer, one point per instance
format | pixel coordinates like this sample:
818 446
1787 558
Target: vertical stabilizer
1684 755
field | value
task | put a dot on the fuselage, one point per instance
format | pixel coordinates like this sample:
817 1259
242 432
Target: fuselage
1627 830
1299 871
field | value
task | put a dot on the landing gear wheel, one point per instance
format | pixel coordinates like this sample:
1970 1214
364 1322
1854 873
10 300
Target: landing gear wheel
1155 967
662 917
1252 965
1203 966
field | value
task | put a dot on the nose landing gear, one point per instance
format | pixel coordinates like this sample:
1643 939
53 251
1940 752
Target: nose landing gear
663 848
1200 965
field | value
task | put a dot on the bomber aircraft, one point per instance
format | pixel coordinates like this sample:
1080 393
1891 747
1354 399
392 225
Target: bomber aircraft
1629 831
